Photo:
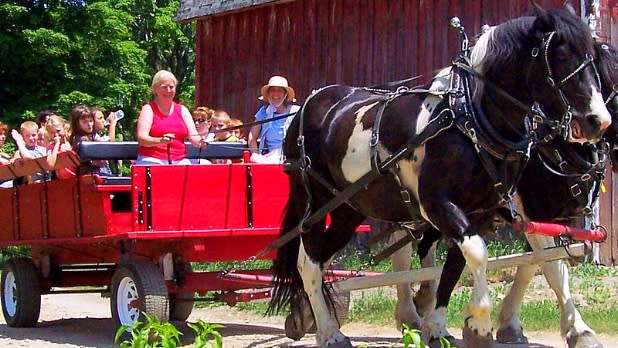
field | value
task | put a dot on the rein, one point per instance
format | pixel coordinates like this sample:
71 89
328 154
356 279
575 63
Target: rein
250 124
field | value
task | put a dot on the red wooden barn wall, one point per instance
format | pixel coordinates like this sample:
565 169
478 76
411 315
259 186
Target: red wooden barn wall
319 42
608 31
357 42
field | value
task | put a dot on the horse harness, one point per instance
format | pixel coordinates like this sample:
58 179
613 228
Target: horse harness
471 121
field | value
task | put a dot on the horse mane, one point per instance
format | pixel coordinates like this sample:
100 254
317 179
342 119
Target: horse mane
505 42
498 46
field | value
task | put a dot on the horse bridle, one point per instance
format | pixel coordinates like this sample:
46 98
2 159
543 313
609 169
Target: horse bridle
562 126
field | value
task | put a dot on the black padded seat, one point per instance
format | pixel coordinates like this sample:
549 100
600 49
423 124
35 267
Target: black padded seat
116 180
127 150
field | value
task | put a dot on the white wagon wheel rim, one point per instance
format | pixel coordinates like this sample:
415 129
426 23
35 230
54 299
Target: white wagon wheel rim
9 294
127 301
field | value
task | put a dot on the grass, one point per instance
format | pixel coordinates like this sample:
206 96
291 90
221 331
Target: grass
594 298
592 294
377 308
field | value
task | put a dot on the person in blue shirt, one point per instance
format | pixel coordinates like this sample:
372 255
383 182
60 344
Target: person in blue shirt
266 139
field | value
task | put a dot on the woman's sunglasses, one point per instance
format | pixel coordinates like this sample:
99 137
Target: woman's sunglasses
200 120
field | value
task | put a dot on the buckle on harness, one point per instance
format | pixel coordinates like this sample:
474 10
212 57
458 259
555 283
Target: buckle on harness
405 196
374 139
576 190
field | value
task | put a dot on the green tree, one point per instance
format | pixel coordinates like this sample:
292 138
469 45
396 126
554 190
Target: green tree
57 54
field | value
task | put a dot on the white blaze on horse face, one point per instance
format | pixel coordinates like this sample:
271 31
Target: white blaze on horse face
598 111
598 107
357 160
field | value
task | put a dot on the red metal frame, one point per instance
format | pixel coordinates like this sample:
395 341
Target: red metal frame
557 230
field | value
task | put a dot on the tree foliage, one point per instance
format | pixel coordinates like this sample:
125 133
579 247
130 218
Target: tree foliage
59 53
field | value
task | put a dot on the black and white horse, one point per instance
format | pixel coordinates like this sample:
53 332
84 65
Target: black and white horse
462 154
571 175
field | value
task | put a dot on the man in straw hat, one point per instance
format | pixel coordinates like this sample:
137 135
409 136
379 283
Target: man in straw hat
279 96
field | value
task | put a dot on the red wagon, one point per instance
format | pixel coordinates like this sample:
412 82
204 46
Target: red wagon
134 236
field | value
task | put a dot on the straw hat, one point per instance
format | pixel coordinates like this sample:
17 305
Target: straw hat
278 81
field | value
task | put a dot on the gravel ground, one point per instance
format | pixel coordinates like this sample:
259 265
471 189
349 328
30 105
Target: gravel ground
84 320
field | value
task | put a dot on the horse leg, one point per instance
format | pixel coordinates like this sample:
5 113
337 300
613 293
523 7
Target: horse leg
572 326
328 334
411 311
511 331
477 328
312 261
405 311
425 298
435 322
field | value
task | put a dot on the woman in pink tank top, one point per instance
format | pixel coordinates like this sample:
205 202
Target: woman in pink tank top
163 125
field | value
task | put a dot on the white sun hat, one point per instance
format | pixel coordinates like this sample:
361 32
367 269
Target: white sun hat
278 81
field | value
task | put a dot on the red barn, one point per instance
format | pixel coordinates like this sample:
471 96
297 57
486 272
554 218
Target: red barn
241 43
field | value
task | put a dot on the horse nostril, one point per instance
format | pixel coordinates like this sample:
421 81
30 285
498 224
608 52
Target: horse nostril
598 122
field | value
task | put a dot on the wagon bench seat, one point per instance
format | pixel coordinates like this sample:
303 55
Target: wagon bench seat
24 166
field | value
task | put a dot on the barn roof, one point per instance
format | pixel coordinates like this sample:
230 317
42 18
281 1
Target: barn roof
190 10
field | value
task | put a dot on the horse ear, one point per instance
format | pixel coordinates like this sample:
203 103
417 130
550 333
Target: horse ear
569 7
537 10
543 22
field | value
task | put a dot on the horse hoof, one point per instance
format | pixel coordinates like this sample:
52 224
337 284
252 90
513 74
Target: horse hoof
293 329
455 343
346 343
509 335
300 321
584 340
424 301
473 339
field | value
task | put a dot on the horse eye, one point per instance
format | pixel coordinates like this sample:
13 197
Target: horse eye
561 54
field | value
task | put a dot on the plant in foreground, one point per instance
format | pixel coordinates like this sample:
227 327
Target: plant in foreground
413 337
152 334
204 332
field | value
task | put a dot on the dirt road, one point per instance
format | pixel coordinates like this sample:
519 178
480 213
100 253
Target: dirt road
84 321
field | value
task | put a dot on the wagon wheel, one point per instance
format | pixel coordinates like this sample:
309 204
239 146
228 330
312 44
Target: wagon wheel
181 310
21 293
138 287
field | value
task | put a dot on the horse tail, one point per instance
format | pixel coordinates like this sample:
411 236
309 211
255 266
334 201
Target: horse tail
286 279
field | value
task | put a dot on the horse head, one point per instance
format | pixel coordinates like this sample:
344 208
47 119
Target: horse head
554 53
563 75
607 63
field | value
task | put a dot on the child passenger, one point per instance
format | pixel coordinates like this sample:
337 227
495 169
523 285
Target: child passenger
99 125
56 137
234 122
221 120
4 132
27 148
82 129
82 125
